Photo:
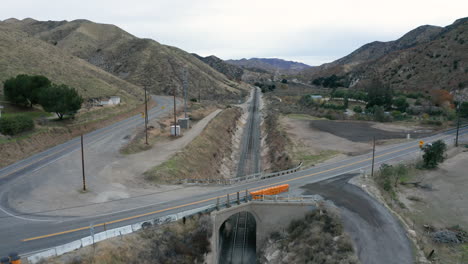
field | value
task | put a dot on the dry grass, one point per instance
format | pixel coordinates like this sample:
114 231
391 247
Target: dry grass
318 238
20 53
210 147
172 243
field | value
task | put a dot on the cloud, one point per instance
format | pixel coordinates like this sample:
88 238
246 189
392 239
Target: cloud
312 31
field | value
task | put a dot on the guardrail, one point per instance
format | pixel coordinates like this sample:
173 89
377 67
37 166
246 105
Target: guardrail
35 257
248 178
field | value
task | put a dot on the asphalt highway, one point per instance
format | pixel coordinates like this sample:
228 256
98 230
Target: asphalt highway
22 235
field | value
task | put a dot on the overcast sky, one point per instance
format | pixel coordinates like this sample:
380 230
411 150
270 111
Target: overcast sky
309 31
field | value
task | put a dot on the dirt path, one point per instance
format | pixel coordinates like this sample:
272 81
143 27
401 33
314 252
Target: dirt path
376 233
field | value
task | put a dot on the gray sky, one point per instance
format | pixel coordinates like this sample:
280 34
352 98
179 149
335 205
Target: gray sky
309 31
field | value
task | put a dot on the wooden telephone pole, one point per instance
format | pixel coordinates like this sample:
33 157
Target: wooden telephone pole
175 113
82 164
146 118
373 158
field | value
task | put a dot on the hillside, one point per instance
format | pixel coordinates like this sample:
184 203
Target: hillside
138 61
233 72
425 58
20 53
276 66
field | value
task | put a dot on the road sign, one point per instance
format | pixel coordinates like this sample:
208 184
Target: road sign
163 107
421 143
142 114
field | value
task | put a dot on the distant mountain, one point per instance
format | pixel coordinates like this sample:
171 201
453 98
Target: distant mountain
143 62
425 58
23 54
231 71
275 66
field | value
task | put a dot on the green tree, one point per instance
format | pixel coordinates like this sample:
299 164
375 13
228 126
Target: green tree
464 109
434 154
25 89
284 81
401 103
379 94
379 114
60 99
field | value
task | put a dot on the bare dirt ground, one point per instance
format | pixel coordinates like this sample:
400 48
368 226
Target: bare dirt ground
359 131
315 142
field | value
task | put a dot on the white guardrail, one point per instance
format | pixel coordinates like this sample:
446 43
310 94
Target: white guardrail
35 257
248 178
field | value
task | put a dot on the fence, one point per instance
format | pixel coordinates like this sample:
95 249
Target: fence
248 178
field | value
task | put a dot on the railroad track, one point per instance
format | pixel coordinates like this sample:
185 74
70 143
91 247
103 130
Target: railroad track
249 162
239 239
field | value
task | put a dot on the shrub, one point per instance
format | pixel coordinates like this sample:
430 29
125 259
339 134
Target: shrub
357 109
194 100
12 125
434 154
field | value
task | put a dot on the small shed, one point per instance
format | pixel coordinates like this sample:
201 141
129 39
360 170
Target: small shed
113 100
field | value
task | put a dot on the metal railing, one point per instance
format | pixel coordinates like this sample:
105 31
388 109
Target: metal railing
248 178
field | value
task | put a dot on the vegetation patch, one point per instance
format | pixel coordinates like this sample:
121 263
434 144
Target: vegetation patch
318 238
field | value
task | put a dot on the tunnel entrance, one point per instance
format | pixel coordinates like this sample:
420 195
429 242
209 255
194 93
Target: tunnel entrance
237 239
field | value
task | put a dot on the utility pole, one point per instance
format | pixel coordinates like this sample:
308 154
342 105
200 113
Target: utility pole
185 83
175 114
458 125
82 164
146 118
373 157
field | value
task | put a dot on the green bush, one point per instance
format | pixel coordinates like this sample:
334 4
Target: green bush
357 109
434 154
12 125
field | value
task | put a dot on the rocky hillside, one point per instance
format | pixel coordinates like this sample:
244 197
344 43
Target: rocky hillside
143 62
425 58
276 66
20 53
231 71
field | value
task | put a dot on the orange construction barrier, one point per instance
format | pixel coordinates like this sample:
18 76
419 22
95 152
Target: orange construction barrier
269 191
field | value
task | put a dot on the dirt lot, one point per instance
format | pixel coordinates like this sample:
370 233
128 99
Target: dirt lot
445 206
359 131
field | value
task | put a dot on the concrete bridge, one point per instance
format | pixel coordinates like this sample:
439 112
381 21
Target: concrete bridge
269 216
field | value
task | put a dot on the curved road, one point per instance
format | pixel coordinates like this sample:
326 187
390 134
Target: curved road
25 236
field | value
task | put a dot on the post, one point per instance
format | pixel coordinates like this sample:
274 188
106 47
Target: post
228 204
175 114
146 119
373 158
185 92
238 198
246 196
82 164
458 125
217 204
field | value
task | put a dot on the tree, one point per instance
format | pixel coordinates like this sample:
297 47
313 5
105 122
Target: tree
61 100
379 94
379 114
24 89
284 81
434 154
401 103
346 102
464 109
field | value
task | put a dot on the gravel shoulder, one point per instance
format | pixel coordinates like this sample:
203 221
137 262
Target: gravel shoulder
377 235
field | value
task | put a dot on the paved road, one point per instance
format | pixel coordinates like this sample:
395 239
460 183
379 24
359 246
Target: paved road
249 160
26 236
